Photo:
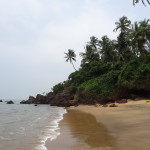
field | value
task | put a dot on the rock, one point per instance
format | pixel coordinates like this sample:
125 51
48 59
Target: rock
97 105
147 101
113 105
10 102
104 105
1 101
35 105
41 99
25 102
31 99
122 101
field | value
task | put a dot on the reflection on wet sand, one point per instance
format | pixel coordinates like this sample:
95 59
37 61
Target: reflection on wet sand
81 131
85 127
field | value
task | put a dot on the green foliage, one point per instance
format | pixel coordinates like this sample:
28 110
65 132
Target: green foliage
88 72
112 69
86 97
58 88
135 76
137 70
103 86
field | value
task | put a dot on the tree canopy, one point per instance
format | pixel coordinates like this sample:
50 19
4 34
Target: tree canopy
113 68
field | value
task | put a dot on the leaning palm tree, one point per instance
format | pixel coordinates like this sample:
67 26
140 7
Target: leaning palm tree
136 1
70 56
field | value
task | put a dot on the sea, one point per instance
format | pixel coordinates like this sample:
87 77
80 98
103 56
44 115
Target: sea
28 127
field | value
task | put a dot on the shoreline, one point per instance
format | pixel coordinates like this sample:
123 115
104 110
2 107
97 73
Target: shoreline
126 127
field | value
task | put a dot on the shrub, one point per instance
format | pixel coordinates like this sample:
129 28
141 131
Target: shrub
103 86
58 88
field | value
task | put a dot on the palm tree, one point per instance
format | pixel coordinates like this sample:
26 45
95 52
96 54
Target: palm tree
124 26
90 55
93 42
137 1
107 50
140 37
70 56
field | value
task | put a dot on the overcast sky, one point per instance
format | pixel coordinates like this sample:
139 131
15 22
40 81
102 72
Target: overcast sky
34 34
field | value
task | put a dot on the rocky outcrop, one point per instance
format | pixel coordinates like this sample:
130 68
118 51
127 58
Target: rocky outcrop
10 102
31 100
60 100
1 101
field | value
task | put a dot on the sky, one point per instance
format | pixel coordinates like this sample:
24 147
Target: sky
34 34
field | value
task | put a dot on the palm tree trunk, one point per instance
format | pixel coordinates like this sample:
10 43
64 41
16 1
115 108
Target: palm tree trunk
73 66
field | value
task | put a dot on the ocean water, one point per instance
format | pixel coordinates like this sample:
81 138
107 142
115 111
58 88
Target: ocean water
26 127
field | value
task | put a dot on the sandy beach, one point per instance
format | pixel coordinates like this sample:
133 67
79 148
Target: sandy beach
126 127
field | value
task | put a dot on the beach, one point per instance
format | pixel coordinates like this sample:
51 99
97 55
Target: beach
126 127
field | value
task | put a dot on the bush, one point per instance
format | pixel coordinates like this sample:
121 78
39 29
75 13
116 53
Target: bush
58 88
103 86
135 76
87 72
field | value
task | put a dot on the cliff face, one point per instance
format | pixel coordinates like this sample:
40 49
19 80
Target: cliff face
61 100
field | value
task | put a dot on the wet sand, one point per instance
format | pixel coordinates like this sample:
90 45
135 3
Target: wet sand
126 127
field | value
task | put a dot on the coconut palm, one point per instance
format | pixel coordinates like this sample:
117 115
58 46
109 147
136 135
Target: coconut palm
93 42
70 56
123 25
137 1
90 55
140 37
107 50
122 46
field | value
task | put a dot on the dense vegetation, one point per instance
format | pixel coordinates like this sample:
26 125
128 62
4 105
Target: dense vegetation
113 69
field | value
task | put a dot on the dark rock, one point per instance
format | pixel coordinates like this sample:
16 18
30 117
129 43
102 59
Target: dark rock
31 99
10 102
35 105
25 102
1 101
113 105
41 99
147 101
122 101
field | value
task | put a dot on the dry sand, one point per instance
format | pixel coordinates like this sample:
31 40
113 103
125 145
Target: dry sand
126 127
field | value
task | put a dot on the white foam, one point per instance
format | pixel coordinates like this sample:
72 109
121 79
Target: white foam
51 131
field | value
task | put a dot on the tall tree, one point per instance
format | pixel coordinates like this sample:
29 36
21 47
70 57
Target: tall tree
137 1
70 56
140 37
93 42
122 46
107 50
91 54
